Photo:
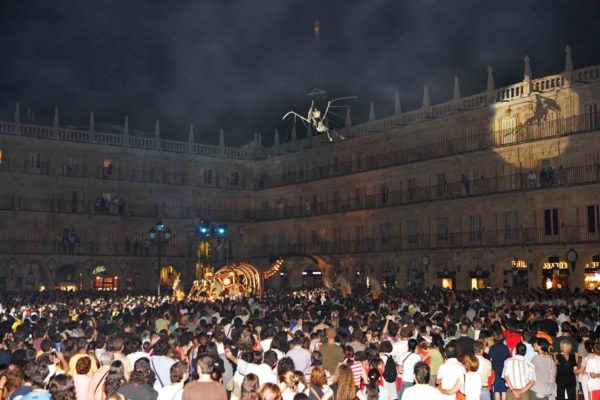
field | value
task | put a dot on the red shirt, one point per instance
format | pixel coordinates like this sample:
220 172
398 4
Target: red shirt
512 340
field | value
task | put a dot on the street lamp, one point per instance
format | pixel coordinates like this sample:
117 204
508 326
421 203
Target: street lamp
159 235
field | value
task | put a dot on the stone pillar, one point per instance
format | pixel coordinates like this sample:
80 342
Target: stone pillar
526 77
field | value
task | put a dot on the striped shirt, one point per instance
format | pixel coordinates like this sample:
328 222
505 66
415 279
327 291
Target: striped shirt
519 371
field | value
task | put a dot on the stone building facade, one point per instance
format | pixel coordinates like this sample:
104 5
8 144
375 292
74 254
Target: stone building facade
495 189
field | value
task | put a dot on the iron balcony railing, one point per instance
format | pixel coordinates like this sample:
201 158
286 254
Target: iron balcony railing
74 170
22 203
537 130
560 177
450 240
53 247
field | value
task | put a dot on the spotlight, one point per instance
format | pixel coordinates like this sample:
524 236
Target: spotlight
204 228
219 230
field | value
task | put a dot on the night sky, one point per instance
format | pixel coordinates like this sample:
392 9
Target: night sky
241 64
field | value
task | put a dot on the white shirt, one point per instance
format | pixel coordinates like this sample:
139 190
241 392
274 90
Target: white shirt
408 361
266 344
263 371
519 371
133 357
301 357
421 392
398 348
171 392
529 353
484 370
593 365
161 365
471 386
450 372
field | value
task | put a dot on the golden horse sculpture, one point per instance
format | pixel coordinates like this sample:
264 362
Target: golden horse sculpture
234 280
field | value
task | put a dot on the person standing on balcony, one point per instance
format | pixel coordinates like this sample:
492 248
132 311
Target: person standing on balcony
465 181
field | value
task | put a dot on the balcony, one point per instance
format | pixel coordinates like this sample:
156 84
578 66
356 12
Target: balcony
457 240
5 165
111 172
74 170
175 178
562 177
36 167
142 175
53 247
443 148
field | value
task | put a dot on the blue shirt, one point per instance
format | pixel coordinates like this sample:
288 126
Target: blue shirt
41 395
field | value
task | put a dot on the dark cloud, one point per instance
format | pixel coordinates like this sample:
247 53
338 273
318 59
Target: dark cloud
241 64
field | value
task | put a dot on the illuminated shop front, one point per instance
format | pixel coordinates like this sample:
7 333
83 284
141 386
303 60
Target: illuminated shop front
555 273
592 274
520 274
479 279
66 278
103 282
447 278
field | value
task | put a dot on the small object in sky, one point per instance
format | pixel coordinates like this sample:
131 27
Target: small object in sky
317 92
320 122
317 29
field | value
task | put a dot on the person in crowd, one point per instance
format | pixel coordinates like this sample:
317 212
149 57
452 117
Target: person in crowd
421 390
545 371
139 385
592 369
289 383
407 362
436 359
205 387
300 355
96 383
269 391
464 344
114 378
373 391
248 389
566 363
498 353
332 353
344 387
317 386
81 380
63 387
161 364
451 373
472 384
519 374
582 376
178 374
38 384
484 370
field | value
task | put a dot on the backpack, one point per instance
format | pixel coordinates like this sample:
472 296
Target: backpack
389 371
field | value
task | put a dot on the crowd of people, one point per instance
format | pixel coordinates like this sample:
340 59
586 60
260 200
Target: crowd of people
304 345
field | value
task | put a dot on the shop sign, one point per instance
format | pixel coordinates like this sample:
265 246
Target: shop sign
519 264
99 269
556 265
593 265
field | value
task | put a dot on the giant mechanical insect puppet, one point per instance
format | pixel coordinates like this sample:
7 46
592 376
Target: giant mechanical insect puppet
234 280
321 122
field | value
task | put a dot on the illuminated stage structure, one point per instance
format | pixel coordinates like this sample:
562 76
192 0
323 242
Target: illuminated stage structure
238 279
